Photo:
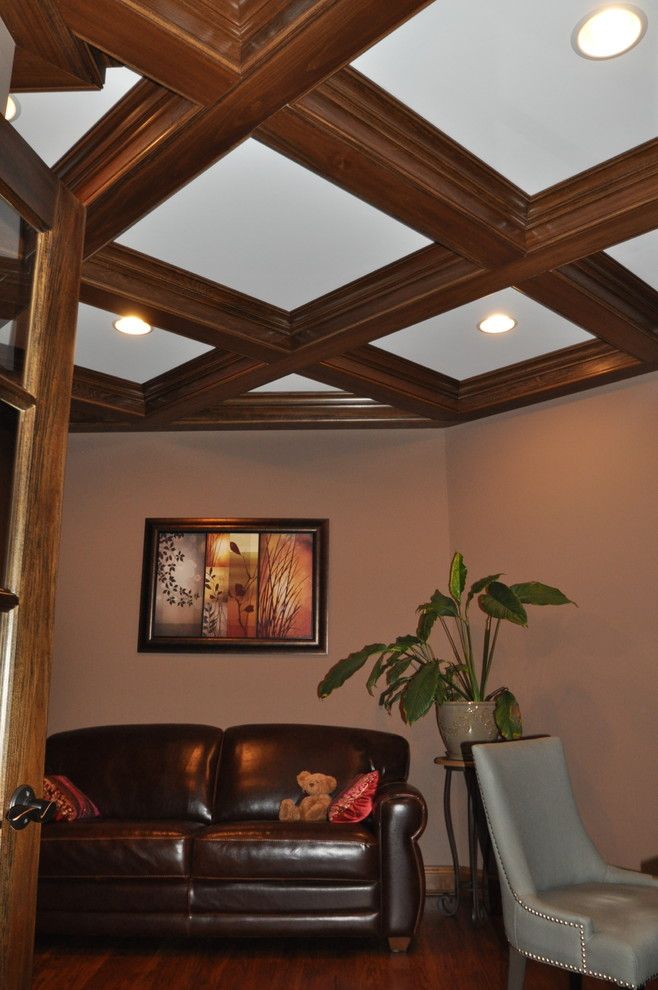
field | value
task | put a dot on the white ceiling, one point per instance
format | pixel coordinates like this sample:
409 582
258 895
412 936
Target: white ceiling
500 78
451 342
261 224
503 80
52 122
295 383
100 347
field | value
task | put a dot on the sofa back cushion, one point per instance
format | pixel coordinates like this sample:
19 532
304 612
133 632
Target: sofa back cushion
141 771
259 763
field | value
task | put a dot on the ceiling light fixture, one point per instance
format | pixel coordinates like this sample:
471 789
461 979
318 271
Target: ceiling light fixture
13 108
609 31
132 325
497 323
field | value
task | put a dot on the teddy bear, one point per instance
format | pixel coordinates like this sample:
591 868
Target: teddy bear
318 788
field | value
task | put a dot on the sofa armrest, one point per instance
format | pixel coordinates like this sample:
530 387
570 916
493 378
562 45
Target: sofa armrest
399 819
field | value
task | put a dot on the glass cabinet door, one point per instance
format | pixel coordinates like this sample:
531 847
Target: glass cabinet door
17 254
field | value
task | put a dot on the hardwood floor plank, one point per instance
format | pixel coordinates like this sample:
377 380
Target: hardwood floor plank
449 954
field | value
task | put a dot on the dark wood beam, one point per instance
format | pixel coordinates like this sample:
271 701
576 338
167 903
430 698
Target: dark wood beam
353 133
180 47
121 280
24 182
105 397
45 43
602 206
324 40
563 372
604 298
392 380
137 124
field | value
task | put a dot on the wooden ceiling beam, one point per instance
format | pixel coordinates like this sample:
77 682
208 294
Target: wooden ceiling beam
138 124
361 138
393 380
604 298
104 398
124 281
47 51
562 372
327 37
173 45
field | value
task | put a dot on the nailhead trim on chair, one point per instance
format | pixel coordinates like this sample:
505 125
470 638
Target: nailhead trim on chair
558 921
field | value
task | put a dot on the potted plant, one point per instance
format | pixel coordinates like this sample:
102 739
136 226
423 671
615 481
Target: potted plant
457 688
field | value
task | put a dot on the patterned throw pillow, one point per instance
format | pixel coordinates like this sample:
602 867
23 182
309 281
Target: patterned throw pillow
355 802
71 803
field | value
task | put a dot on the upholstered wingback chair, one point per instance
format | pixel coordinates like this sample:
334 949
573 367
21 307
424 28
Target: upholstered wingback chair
562 904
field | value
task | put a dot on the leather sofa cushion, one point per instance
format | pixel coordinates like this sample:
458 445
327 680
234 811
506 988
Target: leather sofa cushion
111 849
141 771
259 763
281 896
284 851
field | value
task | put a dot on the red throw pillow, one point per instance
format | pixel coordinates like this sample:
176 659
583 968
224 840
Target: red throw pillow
355 802
71 803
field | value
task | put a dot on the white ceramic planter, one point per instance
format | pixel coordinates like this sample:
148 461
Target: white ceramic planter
465 722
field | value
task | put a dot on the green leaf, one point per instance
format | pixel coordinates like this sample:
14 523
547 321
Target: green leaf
479 586
396 670
421 691
501 603
457 581
439 605
508 715
403 643
394 691
377 671
344 668
425 626
536 593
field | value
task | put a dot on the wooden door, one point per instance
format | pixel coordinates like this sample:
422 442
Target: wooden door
41 232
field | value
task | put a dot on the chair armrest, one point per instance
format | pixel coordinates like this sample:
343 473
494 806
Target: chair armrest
615 874
537 905
399 819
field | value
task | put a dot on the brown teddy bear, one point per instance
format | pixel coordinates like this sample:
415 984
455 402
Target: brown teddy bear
313 808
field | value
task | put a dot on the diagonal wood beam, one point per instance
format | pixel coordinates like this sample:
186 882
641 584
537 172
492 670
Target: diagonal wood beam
353 133
325 39
102 398
174 51
47 46
393 380
562 372
121 280
604 298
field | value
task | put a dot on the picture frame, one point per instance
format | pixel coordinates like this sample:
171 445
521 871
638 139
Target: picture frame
234 585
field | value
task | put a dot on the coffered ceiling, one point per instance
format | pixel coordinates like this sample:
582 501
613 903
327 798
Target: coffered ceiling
314 203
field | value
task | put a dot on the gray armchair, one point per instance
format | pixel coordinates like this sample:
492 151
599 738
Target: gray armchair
562 904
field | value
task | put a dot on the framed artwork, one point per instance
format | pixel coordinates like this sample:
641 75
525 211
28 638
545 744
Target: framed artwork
234 584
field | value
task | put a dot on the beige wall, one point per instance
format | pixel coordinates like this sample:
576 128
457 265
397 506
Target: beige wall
385 496
564 492
567 492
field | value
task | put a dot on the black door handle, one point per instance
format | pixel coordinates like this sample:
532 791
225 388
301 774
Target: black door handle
26 807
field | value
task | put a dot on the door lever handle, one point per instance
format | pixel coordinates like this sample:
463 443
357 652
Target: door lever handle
26 807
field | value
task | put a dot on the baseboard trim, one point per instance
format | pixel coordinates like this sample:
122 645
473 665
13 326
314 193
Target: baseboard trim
440 879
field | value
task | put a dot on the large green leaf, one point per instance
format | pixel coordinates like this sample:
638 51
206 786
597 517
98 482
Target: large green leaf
536 593
344 668
458 573
403 643
425 625
393 693
508 715
421 691
396 670
439 605
378 669
501 603
480 585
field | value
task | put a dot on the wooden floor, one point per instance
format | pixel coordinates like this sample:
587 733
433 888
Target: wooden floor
449 954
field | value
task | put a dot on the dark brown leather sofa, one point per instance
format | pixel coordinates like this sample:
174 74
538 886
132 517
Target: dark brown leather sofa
189 841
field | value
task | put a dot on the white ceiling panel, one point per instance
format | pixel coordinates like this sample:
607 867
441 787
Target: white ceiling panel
261 224
100 347
52 122
640 255
452 344
503 80
295 383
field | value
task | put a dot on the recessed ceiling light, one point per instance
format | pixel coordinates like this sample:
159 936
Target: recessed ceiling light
609 31
132 325
13 108
497 323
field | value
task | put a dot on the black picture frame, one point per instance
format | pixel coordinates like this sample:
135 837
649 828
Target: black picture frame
232 585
